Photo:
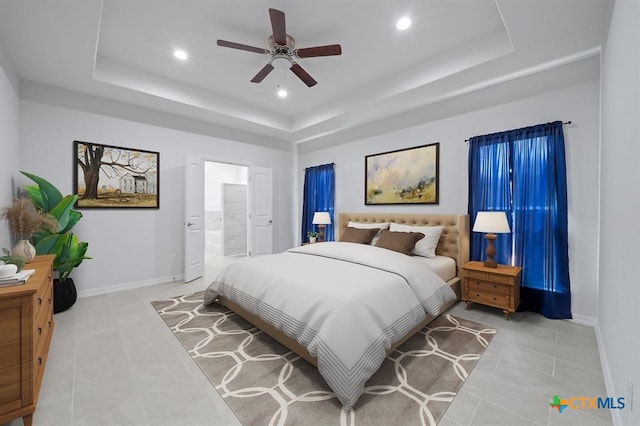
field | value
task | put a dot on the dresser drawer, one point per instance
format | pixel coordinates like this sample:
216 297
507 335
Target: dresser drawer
487 287
42 327
491 299
43 299
488 276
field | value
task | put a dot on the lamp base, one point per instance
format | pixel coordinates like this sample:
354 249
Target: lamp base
320 233
490 264
491 251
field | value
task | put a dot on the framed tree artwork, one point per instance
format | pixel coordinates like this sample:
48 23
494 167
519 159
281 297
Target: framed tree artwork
107 176
405 176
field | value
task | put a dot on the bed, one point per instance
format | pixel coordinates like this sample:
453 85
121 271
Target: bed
358 302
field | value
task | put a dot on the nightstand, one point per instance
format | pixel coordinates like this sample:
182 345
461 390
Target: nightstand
498 287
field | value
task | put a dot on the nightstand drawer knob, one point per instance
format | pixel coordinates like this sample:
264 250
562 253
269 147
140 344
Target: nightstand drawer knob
39 330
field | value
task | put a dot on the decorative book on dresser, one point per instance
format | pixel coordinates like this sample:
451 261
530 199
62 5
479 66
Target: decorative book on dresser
26 327
498 287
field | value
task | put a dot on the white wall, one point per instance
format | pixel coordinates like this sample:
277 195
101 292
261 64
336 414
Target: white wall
132 246
578 104
620 224
9 142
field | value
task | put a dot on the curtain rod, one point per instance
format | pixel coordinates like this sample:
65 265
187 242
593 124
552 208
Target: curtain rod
564 122
320 165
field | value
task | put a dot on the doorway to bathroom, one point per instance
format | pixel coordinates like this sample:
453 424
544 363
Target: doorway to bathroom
226 213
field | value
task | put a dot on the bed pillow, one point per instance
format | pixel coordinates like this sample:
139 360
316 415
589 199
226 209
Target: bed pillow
382 225
402 242
426 247
356 235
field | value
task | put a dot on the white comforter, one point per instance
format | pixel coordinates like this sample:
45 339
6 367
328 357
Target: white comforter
346 303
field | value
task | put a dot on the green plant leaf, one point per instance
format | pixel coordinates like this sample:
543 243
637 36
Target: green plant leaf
52 244
50 194
74 217
36 197
62 211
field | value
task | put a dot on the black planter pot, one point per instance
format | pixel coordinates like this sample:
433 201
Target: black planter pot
64 295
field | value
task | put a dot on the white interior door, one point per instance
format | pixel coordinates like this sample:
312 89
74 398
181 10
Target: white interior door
261 211
194 219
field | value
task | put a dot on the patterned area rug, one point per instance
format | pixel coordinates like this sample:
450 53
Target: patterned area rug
266 384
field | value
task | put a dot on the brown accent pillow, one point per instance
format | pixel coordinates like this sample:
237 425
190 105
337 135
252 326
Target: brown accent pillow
358 235
402 242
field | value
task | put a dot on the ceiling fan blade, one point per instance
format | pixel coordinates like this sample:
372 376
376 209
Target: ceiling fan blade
329 50
233 45
278 26
262 73
303 75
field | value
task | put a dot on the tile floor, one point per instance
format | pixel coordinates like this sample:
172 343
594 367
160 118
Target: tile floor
114 362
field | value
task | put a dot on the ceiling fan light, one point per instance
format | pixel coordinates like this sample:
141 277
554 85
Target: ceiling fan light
403 23
281 62
180 54
282 92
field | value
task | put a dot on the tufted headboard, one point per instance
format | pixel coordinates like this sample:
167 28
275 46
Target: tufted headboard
454 241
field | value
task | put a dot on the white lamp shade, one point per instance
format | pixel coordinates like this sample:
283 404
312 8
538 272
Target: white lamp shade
491 222
321 218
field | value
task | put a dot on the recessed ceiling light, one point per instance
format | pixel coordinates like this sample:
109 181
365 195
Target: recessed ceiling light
180 54
403 23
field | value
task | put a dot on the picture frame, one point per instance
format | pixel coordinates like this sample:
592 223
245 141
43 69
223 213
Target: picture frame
118 177
403 176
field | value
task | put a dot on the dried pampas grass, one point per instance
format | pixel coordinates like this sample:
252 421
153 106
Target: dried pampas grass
24 219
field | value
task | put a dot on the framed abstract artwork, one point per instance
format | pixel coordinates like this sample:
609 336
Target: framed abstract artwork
405 176
107 176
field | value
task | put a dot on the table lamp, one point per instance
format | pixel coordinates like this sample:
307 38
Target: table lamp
321 219
491 223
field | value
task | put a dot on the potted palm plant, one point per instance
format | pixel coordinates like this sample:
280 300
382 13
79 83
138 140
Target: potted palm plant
69 251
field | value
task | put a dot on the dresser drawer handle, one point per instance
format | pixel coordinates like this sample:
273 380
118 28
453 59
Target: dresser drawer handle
39 300
39 330
49 324
39 360
49 300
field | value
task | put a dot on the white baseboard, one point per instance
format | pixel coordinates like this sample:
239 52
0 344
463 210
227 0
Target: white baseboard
584 319
129 286
608 381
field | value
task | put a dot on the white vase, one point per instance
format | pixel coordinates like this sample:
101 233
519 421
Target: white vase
25 249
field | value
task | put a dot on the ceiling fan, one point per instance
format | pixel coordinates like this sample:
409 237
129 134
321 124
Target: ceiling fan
282 51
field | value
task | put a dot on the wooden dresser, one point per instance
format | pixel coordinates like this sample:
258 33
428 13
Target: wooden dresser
498 287
26 326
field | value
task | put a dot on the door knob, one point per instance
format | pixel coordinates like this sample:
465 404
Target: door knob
190 224
270 222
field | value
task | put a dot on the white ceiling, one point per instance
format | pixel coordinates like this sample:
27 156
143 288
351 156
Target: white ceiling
121 50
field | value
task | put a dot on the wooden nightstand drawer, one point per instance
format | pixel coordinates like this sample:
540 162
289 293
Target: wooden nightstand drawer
487 287
491 299
488 276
